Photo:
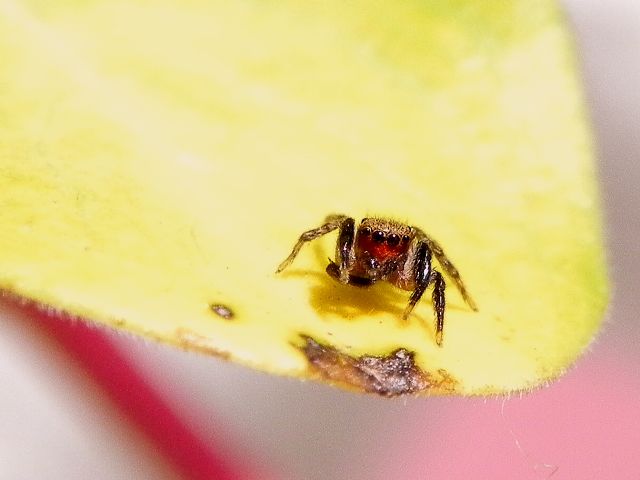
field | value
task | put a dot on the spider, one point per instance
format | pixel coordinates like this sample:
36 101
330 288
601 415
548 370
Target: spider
385 250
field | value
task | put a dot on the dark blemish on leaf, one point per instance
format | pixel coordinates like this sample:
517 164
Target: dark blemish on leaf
390 375
222 311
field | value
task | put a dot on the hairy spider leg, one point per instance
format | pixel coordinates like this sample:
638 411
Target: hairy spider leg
344 249
437 297
422 274
425 276
448 267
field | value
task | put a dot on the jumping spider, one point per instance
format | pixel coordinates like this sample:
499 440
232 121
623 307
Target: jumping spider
386 250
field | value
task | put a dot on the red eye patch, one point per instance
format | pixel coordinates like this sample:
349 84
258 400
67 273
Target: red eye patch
381 250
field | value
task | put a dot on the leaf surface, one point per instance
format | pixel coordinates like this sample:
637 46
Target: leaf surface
158 161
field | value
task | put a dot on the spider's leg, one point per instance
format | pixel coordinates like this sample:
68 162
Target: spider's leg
332 222
438 303
421 274
448 267
345 252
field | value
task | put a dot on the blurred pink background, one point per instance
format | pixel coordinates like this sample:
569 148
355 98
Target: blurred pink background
57 423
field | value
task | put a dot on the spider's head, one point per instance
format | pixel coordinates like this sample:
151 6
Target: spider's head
383 239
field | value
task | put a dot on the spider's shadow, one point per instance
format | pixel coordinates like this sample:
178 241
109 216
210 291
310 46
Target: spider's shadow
332 298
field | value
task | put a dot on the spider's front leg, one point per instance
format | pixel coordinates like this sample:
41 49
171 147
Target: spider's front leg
345 255
438 303
424 275
448 267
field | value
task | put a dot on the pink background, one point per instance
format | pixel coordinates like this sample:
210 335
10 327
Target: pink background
58 423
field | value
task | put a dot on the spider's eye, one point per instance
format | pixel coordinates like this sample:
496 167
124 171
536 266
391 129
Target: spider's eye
393 240
405 238
366 231
378 236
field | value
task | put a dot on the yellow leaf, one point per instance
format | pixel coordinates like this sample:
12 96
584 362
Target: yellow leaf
158 161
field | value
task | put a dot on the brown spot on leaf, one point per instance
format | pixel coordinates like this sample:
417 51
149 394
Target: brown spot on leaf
222 311
390 375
